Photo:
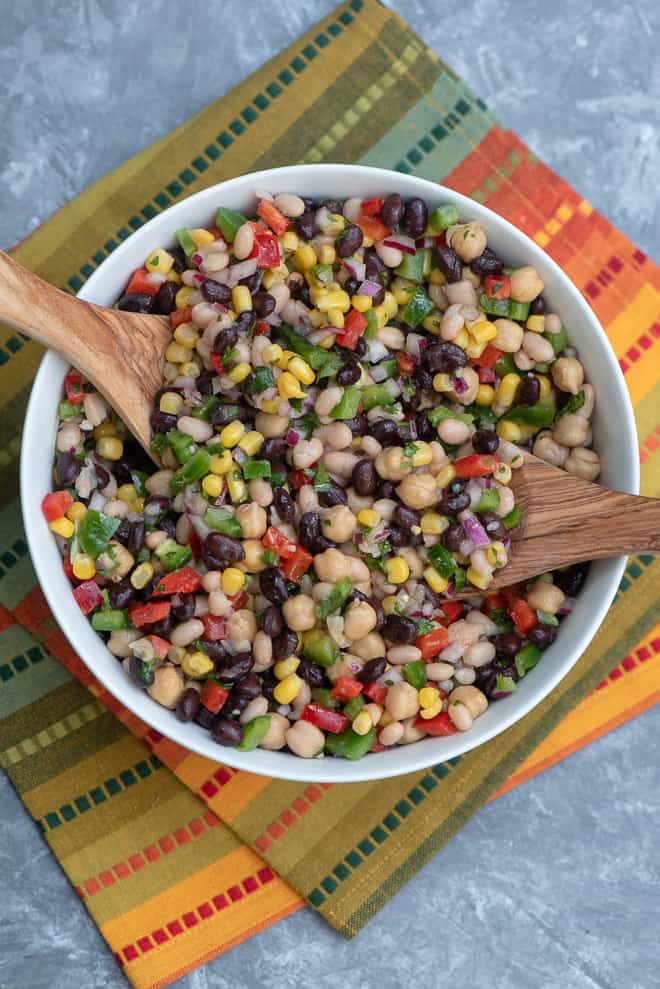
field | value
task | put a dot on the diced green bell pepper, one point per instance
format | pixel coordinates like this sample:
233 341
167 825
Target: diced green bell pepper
518 310
494 307
66 410
559 340
545 618
440 412
172 555
542 414
203 411
256 468
349 744
324 362
95 532
415 673
320 648
335 599
412 266
442 560
158 443
574 403
228 222
322 274
513 519
442 217
490 499
504 684
348 404
110 621
323 697
374 395
527 658
353 707
186 242
417 309
371 330
182 446
223 521
253 732
193 470
505 365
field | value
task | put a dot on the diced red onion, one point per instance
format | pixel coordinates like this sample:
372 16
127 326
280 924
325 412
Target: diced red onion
453 652
474 530
370 288
400 241
243 269
474 489
97 501
379 373
424 242
460 384
414 344
274 319
376 351
567 606
196 258
356 269
412 427
292 437
486 375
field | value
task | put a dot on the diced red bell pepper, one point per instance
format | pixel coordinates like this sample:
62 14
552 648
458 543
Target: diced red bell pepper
266 249
297 565
238 601
452 610
213 696
160 646
378 747
278 542
298 479
440 725
178 316
376 692
88 596
183 581
476 465
55 505
406 364
68 570
74 387
142 284
346 688
490 356
216 361
355 324
372 207
372 227
486 375
524 617
215 628
216 234
497 286
272 216
324 718
195 544
494 602
145 614
432 643
261 328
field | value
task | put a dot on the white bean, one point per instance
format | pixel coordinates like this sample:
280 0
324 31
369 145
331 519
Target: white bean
281 293
398 655
187 632
390 256
95 408
200 430
327 400
392 337
307 452
453 431
439 671
335 435
244 241
391 734
305 739
452 323
461 293
262 651
465 675
257 707
289 204
537 347
261 492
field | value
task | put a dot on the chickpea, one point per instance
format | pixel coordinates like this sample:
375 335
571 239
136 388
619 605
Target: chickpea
357 502
587 409
241 628
331 565
547 449
461 293
468 240
391 734
271 424
471 379
402 701
338 523
348 666
358 570
391 465
440 458
253 520
568 374
570 430
509 336
411 556
308 500
438 297
119 643
479 654
335 435
522 361
410 732
115 562
473 699
307 452
327 400
187 632
364 587
370 647
262 651
116 508
275 737
583 463
544 596
464 632
260 490
321 589
526 284
253 561
299 613
340 463
167 687
359 620
257 708
537 347
453 431
305 739
385 508
418 491
302 698
211 581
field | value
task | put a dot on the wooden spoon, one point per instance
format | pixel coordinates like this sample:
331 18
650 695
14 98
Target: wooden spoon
567 520
121 353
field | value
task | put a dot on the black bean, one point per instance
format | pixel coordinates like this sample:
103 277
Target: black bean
444 357
391 211
273 585
284 504
102 476
162 422
386 490
415 216
224 339
155 504
245 321
376 270
335 496
226 732
487 264
122 471
411 401
188 705
272 622
204 383
379 296
168 523
136 538
253 282
348 374
485 441
284 644
218 550
351 285
306 225
449 263
136 302
268 683
571 581
359 425
215 651
204 718
423 378
183 606
372 670
274 449
248 687
165 303
349 241
180 260
380 614
333 205
529 390
386 432
425 430
141 673
312 673
543 635
452 537
364 477
360 348
453 502
121 594
492 523
537 306
123 532
398 537
356 595
405 517
309 529
507 644
215 291
67 469
399 629
163 628
235 667
263 304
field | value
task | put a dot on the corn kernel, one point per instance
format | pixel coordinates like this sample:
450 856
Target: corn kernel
182 296
535 323
507 389
63 527
361 302
285 667
271 405
196 665
305 257
177 354
201 237
433 524
231 434
240 372
381 316
232 580
272 353
389 604
526 432
423 454
442 382
317 292
251 442
473 348
327 254
127 493
508 431
335 300
432 322
110 448
397 570
186 335
76 512
160 261
173 276
141 576
221 463
546 387
288 386
478 579
190 370
445 476
430 712
290 242
237 487
367 241
317 319
170 402
362 723
301 370
368 517
462 339
428 696
327 342
84 567
437 277
336 318
241 298
390 305
483 331
435 581
402 291
485 395
273 275
105 428
284 359
288 689
212 485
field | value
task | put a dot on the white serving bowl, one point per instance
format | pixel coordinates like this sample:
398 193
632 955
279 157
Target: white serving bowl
614 437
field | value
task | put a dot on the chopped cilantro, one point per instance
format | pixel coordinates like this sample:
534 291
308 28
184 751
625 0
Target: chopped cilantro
270 559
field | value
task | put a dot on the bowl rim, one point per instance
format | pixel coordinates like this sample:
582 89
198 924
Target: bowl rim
420 755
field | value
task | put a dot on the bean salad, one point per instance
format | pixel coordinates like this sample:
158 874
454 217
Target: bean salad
348 388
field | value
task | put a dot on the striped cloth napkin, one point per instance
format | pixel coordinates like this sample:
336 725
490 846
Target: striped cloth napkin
178 858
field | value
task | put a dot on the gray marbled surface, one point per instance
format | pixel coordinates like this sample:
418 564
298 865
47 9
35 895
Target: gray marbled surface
557 884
